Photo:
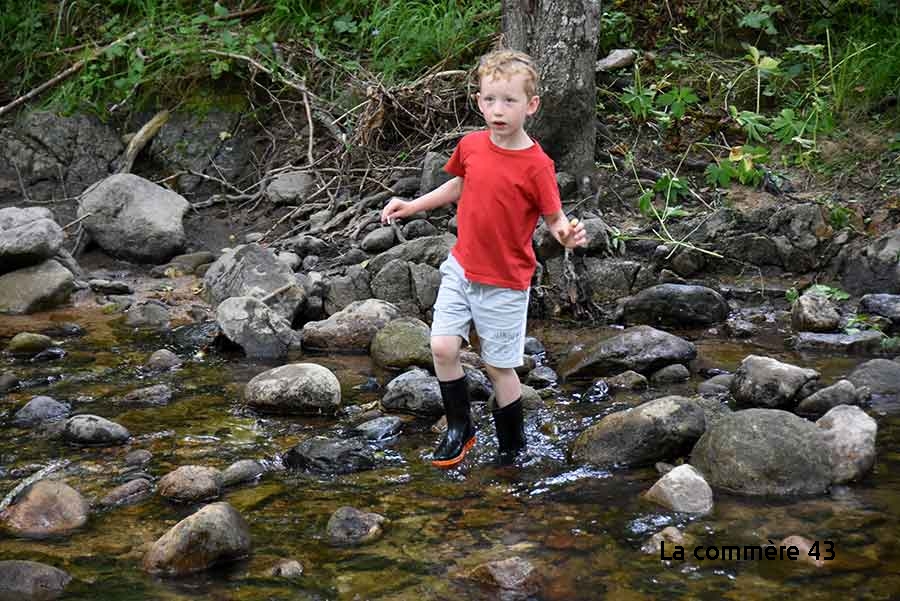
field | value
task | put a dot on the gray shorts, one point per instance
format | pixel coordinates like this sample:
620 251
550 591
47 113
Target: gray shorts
499 315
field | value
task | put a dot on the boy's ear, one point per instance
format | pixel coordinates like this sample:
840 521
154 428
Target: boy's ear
533 103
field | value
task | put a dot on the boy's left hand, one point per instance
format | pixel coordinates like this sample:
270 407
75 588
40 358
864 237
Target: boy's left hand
570 233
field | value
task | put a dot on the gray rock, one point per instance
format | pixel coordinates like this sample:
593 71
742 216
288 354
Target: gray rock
133 491
29 243
880 376
873 268
418 228
402 343
676 305
101 286
863 342
8 382
40 409
28 343
378 240
414 391
330 456
850 437
134 219
158 395
842 392
425 281
764 452
292 260
31 581
46 508
670 374
533 346
342 291
191 484
304 388
885 305
814 313
290 187
380 428
214 534
716 385
658 430
801 235
542 377
767 382
354 256
150 314
433 174
350 329
261 332
163 359
642 349
682 489
394 285
94 430
617 59
138 457
252 270
610 279
515 576
740 328
35 288
431 250
287 568
244 470
350 527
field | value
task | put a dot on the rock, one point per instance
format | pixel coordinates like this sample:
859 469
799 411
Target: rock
341 292
29 243
27 343
138 457
133 491
814 313
720 384
214 534
670 374
740 328
885 305
394 285
329 456
182 265
880 376
289 187
259 331
431 250
764 452
8 382
31 581
873 268
402 343
609 279
617 59
682 489
38 410
191 484
354 256
251 270
414 391
670 535
641 348
863 342
378 240
628 380
804 546
150 314
352 328
35 288
349 527
661 429
425 281
433 174
676 305
134 219
287 568
842 392
305 388
418 228
46 508
163 359
511 574
241 471
95 431
380 428
850 437
542 377
533 346
101 286
767 382
54 353
292 260
158 395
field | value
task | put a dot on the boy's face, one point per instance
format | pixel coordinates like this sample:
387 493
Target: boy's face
505 104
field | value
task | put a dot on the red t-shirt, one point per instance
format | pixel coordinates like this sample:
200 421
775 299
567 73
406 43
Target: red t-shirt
504 193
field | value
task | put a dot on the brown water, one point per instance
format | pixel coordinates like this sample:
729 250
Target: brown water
582 528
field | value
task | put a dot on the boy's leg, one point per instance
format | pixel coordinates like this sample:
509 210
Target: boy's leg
509 417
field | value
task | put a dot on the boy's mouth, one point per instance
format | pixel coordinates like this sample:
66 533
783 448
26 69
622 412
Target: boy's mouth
498 123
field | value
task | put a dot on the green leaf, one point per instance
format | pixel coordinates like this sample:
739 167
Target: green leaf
754 20
719 175
219 10
645 203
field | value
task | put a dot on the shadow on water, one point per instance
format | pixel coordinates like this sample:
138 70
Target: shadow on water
581 527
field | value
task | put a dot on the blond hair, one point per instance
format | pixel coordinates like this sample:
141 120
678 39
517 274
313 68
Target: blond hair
506 63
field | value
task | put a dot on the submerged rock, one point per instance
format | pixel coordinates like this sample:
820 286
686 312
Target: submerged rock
133 491
348 526
31 581
94 430
244 470
511 574
642 349
331 456
46 508
40 409
415 391
191 483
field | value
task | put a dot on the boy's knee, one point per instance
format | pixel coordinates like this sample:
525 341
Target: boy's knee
445 349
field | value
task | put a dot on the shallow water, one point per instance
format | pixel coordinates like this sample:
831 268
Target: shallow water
582 528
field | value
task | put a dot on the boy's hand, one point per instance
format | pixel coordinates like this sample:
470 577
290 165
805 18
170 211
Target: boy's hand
396 208
569 233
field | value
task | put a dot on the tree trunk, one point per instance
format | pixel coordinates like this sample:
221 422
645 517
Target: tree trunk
561 36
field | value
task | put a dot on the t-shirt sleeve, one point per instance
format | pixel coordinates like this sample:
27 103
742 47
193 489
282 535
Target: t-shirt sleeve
547 191
455 166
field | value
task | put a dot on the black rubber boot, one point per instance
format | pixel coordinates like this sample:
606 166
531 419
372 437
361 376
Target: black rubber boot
460 434
510 424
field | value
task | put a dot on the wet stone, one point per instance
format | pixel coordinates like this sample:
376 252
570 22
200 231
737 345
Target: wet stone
109 287
380 428
64 330
244 470
54 353
349 526
163 359
31 581
133 491
511 574
40 409
28 343
138 457
94 430
191 483
627 380
287 568
8 382
46 508
329 456
152 396
541 377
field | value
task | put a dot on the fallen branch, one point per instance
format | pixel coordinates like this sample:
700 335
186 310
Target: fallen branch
142 138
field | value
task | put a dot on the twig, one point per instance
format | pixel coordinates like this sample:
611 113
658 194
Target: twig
142 138
309 122
276 292
79 220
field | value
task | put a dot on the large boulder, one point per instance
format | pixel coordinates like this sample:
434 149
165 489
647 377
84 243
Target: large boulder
880 376
35 288
259 331
767 382
764 452
431 250
134 219
31 581
874 267
813 312
676 305
46 508
403 343
641 348
850 437
415 391
394 285
662 429
609 279
27 237
305 388
342 291
350 329
215 534
885 305
251 270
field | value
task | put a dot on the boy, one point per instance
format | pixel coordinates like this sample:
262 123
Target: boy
503 182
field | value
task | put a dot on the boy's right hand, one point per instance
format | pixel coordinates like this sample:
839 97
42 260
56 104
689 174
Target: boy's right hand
396 208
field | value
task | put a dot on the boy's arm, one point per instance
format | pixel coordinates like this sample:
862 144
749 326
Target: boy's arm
568 233
444 194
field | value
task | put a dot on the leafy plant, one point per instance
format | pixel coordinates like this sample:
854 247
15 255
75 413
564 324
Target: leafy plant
677 100
829 292
638 99
761 18
753 124
791 295
616 29
839 216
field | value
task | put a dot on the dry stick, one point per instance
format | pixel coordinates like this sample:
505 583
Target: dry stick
63 75
79 220
290 214
142 138
276 292
309 121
